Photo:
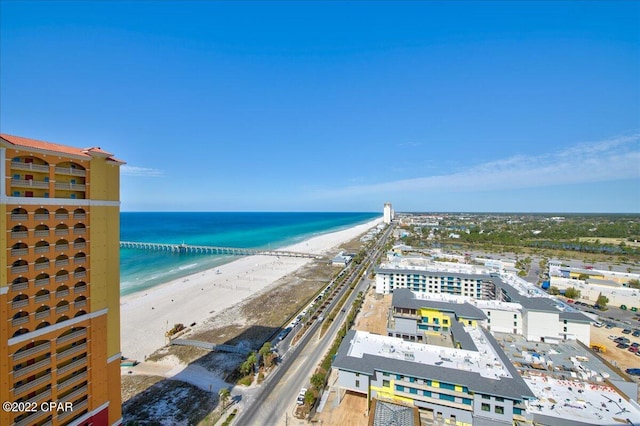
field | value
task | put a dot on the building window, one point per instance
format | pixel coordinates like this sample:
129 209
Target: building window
426 393
447 386
399 377
486 407
499 409
517 411
515 316
515 323
413 390
357 383
386 383
466 401
486 397
400 388
564 329
447 397
385 374
357 374
498 399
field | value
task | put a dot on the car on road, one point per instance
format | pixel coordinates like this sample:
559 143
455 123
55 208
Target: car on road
633 371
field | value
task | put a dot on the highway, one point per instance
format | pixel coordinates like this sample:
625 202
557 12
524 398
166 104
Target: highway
274 403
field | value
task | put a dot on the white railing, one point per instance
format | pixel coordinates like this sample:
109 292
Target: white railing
31 351
30 166
30 183
41 249
70 171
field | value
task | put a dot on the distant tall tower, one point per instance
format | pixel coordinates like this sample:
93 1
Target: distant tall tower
388 213
59 283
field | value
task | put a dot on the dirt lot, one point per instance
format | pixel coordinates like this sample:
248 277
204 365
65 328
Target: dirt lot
373 316
351 412
621 358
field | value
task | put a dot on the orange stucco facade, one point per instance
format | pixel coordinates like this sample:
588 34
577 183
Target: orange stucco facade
59 284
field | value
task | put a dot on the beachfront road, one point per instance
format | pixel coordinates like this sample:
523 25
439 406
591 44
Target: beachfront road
275 401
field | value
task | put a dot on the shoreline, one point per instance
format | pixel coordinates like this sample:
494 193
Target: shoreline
145 316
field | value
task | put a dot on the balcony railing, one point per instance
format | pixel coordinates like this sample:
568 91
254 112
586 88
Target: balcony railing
80 274
19 251
71 336
62 231
62 309
42 298
41 216
43 314
79 216
41 265
19 269
19 217
79 245
32 384
30 368
62 262
41 233
70 171
80 304
73 395
62 216
19 304
70 186
42 282
39 397
20 320
62 278
31 419
31 351
19 234
30 183
72 380
77 408
75 364
30 166
79 231
62 293
41 249
72 350
62 247
79 260
20 286
80 289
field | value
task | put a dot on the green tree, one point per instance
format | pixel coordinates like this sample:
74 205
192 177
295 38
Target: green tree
635 283
224 396
265 352
317 381
572 293
583 277
247 366
553 290
309 397
602 301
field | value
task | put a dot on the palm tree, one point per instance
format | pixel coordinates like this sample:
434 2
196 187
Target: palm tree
224 395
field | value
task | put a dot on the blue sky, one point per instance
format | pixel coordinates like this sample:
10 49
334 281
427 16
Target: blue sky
337 106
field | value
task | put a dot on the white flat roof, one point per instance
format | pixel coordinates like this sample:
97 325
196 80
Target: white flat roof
485 361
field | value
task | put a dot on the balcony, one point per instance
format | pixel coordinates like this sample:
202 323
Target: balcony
77 408
71 336
19 234
31 419
19 304
31 368
43 314
41 266
40 397
31 351
70 186
79 231
20 217
42 282
80 289
19 321
20 286
62 309
62 247
80 274
63 262
72 350
42 298
30 166
72 380
62 278
32 384
79 216
41 233
29 183
41 249
62 216
80 260
70 171
79 304
41 216
74 365
79 245
62 231
19 252
19 269
62 293
73 395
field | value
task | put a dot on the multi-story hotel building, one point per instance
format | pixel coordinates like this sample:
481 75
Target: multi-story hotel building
59 284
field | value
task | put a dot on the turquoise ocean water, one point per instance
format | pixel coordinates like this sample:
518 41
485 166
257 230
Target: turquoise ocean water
141 270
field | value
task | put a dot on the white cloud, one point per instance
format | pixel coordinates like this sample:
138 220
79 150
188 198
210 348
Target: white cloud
140 171
611 159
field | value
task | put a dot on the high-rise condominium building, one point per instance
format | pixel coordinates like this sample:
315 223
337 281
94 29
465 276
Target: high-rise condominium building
59 284
387 213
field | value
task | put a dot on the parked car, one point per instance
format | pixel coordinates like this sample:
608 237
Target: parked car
633 371
634 309
300 398
633 349
626 331
570 300
598 324
623 307
622 346
610 326
636 333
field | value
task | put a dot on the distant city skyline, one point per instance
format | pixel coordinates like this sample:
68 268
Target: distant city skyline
337 106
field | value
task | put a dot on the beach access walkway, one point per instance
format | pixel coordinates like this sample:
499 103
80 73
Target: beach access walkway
194 249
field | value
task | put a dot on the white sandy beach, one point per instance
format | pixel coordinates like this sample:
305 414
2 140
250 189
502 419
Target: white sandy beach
147 315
